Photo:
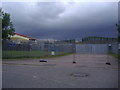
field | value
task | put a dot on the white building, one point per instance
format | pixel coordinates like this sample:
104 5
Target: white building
18 38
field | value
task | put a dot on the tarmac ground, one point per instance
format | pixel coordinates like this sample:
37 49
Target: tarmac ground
89 71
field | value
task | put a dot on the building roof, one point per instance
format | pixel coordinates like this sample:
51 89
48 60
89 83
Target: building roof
25 36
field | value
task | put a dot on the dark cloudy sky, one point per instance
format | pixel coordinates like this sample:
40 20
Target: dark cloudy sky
63 20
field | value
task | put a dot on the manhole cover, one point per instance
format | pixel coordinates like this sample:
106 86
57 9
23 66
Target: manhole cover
79 74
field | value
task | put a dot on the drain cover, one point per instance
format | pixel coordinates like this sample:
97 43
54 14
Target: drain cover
79 74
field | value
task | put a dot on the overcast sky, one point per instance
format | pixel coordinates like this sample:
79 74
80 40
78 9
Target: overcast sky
63 20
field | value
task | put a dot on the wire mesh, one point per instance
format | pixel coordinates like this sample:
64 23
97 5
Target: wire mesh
39 49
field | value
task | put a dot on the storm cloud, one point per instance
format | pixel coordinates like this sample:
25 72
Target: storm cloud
63 20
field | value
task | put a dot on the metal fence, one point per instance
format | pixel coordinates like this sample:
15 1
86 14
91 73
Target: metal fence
114 47
92 48
44 49
97 48
40 49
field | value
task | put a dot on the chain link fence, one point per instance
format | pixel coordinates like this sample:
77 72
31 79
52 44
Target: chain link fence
114 48
34 50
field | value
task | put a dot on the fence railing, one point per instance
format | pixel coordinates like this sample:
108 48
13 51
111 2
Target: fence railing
27 50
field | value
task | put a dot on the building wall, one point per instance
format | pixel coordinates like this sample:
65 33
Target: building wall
15 37
18 39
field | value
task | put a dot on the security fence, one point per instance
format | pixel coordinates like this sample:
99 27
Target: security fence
92 48
114 47
45 49
97 48
39 49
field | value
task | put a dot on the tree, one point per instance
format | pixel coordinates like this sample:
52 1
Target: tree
7 26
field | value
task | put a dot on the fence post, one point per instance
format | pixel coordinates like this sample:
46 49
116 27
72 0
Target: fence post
74 50
118 51
109 51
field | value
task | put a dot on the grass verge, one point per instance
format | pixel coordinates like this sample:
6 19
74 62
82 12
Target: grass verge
30 54
116 56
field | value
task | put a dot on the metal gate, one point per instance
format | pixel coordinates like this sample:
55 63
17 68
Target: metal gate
92 48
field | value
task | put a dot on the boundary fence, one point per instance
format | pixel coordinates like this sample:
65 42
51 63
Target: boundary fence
25 50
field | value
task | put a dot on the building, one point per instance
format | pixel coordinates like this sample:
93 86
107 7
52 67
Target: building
98 40
18 38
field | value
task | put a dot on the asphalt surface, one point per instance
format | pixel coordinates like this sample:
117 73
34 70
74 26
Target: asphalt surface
90 71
